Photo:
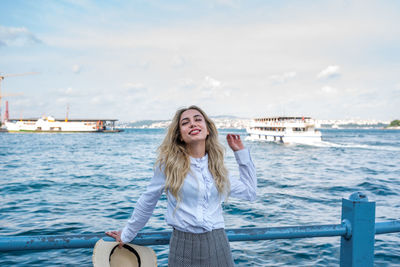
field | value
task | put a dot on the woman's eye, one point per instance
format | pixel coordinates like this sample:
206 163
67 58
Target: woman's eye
198 119
184 123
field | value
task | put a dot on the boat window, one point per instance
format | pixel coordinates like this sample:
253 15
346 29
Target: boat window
298 129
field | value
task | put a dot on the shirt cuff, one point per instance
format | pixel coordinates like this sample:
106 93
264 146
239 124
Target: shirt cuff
242 156
126 239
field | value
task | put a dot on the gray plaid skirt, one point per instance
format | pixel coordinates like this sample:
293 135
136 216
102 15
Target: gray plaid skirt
199 250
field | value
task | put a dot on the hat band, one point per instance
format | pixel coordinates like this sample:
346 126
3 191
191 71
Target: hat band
131 249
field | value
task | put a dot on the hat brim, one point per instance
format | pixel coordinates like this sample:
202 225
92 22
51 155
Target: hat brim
106 254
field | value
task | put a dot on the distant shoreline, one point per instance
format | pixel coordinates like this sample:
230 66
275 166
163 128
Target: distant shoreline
243 123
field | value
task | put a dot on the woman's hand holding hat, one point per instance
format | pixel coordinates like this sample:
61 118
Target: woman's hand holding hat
117 236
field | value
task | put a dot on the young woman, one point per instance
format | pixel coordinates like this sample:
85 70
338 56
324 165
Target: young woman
190 169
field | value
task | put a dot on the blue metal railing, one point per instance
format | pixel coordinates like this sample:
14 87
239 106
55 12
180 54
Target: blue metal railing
357 231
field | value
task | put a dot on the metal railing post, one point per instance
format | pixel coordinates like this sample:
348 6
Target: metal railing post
357 247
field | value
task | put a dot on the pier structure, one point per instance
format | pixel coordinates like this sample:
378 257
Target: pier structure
357 230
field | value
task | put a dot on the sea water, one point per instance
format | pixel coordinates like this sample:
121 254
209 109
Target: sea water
61 184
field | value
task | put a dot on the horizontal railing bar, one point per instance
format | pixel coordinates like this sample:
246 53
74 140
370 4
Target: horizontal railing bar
14 243
387 227
289 232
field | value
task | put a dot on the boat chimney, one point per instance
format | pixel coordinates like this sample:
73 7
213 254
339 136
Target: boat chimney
66 115
6 115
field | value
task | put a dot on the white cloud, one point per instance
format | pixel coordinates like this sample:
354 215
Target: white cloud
227 93
96 100
328 90
186 83
282 78
76 69
62 100
134 86
211 82
14 36
210 87
330 72
70 92
178 61
189 91
133 92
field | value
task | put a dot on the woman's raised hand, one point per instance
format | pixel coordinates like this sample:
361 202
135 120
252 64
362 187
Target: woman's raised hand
234 142
117 236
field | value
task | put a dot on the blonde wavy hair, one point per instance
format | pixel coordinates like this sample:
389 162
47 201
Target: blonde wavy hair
174 158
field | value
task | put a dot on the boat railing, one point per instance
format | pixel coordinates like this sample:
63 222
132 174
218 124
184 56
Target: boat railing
356 230
292 123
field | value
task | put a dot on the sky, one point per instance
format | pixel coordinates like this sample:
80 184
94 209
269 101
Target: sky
139 60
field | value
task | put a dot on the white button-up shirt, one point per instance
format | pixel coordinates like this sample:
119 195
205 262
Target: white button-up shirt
199 209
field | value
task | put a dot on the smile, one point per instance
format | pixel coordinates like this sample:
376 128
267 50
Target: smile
194 131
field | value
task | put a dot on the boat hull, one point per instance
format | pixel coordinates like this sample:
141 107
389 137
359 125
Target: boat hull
285 138
58 126
28 131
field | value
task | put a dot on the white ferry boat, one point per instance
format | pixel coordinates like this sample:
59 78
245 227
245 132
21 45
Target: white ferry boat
284 130
50 124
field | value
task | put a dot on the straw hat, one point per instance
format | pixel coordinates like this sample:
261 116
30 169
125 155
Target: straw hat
107 254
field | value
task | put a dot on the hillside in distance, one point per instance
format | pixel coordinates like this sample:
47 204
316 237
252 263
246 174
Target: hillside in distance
232 122
222 122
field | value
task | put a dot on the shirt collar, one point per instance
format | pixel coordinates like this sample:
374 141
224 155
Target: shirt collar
198 162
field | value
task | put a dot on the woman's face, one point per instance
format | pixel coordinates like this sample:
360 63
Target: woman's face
192 126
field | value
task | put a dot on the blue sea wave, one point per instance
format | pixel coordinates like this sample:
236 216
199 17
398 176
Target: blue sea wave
89 183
